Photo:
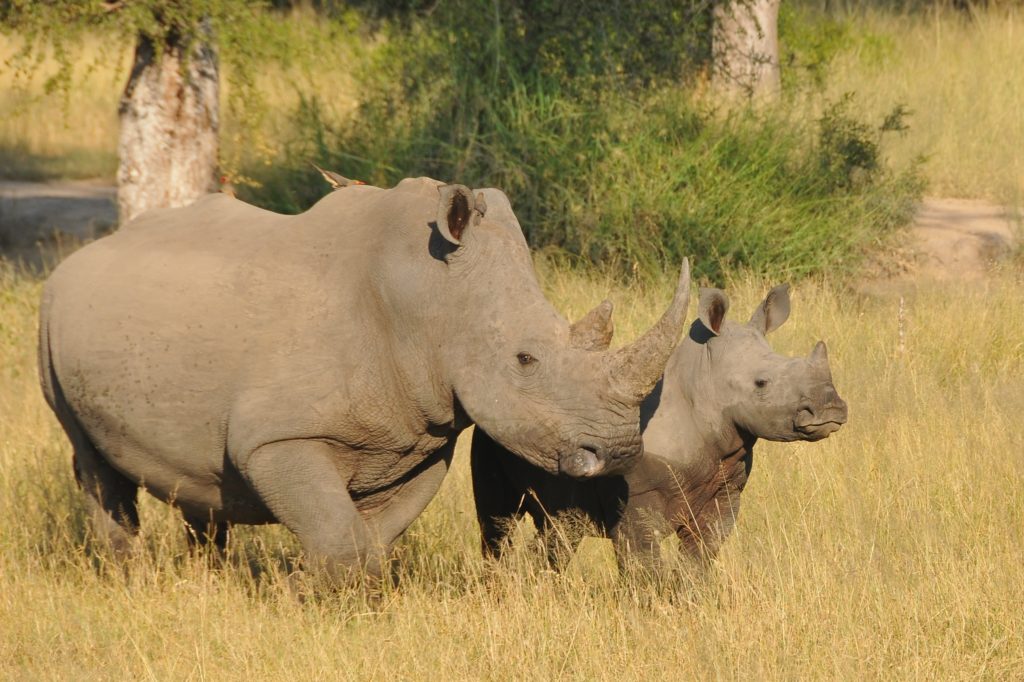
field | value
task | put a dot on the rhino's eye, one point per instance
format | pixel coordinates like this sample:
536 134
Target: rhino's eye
525 359
761 383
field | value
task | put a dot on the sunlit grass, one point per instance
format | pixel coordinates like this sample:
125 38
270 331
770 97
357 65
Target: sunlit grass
890 551
61 135
959 74
74 133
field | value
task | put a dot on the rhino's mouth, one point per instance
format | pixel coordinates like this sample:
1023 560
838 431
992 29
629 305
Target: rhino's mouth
583 463
819 430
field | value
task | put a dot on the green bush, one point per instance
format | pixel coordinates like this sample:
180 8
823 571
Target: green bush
609 168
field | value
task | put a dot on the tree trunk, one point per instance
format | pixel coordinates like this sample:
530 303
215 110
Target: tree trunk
169 119
745 47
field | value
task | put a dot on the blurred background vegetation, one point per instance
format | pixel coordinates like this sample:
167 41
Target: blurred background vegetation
596 119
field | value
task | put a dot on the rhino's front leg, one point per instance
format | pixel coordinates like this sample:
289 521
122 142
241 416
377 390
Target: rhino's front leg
637 536
392 519
302 484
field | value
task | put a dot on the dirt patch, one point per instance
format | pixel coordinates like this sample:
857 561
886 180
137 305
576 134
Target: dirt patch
38 218
961 238
951 239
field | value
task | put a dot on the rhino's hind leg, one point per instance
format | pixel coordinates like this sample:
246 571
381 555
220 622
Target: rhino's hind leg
112 497
300 483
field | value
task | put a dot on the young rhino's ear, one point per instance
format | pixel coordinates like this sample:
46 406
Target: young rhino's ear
773 311
457 210
711 309
594 330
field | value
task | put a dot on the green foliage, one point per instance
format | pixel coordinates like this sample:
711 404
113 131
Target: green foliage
808 42
582 114
576 43
810 39
849 149
160 21
603 169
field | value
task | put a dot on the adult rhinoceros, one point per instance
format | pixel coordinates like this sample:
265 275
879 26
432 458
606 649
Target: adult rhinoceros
723 389
315 370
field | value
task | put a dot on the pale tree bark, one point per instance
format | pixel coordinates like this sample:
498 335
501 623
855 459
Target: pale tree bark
745 47
169 120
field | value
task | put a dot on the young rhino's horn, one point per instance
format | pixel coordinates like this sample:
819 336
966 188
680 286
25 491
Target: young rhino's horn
819 355
637 367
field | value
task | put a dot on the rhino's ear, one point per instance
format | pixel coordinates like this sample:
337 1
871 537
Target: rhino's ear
594 330
773 311
457 210
711 309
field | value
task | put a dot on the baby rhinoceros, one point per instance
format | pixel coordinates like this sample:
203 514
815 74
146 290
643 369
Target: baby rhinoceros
723 388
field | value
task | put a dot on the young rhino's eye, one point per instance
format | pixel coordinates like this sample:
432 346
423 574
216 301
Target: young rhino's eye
525 358
761 383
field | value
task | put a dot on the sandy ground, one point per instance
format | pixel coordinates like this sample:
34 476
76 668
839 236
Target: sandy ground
950 239
960 238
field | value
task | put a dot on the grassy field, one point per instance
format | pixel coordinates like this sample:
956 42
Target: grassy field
889 551
40 139
892 550
955 72
73 134
777 191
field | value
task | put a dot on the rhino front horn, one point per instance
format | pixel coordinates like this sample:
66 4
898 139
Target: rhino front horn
637 367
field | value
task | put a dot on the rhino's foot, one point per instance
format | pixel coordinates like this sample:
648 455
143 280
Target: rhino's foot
369 592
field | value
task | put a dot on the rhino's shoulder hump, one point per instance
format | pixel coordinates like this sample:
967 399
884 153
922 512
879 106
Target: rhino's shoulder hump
204 210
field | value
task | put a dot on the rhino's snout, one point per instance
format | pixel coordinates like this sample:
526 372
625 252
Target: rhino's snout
583 463
816 423
589 460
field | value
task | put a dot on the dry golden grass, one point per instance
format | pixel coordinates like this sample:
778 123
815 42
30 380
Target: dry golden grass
891 550
960 75
50 135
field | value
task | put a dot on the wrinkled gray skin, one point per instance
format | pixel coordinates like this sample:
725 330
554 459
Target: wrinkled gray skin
723 389
315 370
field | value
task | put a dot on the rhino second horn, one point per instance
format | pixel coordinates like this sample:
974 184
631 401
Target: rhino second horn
637 367
594 330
